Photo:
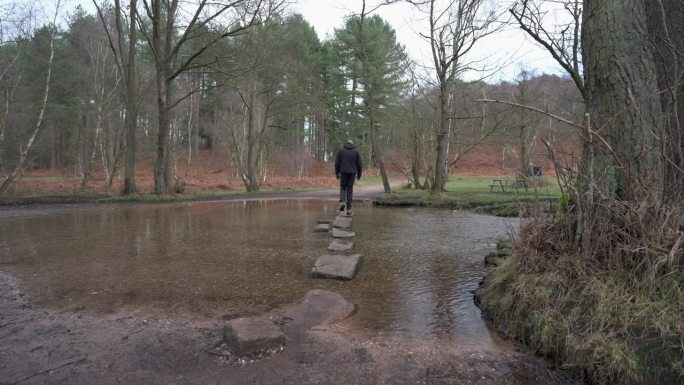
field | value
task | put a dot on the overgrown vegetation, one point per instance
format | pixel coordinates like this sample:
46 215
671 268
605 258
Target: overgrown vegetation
616 313
599 285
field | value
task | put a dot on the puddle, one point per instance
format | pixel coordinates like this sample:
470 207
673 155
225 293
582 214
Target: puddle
229 259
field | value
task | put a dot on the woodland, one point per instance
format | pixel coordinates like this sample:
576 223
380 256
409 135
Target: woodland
596 285
253 85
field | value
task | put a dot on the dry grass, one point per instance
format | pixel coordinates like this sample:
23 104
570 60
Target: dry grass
612 307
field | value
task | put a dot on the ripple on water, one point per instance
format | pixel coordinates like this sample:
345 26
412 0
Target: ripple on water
224 259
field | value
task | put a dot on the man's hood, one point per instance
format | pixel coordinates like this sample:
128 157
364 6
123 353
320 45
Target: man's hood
349 146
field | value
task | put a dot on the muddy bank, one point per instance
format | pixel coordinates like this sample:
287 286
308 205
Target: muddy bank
40 346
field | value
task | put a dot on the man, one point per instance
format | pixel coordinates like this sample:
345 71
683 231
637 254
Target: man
347 167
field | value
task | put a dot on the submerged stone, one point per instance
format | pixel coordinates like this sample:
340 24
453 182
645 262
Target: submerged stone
319 308
340 245
322 228
251 335
342 222
339 233
336 266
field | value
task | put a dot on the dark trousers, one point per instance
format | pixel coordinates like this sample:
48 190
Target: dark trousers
347 188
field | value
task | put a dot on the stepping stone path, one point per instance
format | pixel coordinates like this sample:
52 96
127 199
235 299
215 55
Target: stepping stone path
342 222
322 228
252 335
340 245
319 308
339 233
336 266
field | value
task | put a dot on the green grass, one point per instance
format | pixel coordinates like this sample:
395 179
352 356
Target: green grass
474 192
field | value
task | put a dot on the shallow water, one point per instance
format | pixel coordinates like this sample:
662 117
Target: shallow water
228 259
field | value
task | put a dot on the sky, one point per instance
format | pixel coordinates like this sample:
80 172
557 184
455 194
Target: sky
508 50
500 56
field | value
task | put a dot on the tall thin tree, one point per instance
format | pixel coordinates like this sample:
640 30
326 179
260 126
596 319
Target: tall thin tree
24 150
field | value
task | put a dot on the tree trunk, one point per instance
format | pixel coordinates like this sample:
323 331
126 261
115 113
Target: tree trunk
622 95
375 147
90 159
523 164
163 64
131 105
252 138
443 136
415 163
160 172
667 37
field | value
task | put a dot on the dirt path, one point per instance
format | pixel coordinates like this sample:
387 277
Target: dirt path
361 192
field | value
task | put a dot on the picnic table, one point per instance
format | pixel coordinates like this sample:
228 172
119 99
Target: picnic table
507 183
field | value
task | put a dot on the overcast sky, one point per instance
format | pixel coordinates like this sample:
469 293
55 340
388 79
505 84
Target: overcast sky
509 47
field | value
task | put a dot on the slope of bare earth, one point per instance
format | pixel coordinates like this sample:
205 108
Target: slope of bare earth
210 171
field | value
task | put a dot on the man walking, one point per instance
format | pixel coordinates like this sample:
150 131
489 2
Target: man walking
347 167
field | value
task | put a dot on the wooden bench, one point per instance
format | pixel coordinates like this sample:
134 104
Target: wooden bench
498 183
507 183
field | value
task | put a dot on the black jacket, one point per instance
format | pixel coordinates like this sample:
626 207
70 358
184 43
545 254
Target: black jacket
348 161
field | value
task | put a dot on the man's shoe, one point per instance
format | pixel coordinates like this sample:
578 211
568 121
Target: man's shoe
350 212
341 209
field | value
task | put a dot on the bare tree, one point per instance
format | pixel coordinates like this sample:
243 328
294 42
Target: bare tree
562 41
24 150
125 61
255 96
453 32
103 102
174 25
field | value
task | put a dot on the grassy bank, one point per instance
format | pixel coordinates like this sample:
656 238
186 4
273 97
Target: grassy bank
144 198
476 193
618 325
69 197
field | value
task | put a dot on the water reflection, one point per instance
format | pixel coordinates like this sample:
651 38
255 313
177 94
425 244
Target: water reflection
224 259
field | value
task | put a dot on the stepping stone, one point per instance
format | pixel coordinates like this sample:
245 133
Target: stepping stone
318 308
340 245
251 335
322 228
336 266
324 221
339 233
342 222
